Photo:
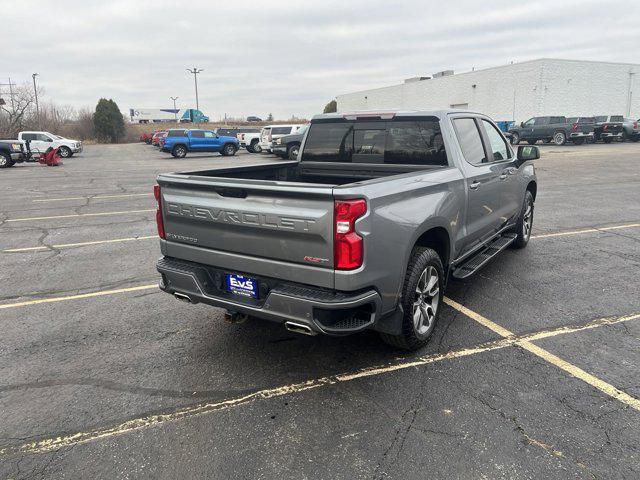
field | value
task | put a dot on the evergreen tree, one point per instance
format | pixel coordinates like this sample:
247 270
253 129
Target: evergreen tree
108 121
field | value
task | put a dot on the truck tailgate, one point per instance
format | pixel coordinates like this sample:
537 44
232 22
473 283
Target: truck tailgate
259 219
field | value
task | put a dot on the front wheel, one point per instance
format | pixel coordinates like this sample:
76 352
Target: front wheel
421 297
64 152
559 138
515 138
229 150
525 222
5 160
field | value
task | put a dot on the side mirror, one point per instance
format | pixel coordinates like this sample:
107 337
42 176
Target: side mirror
528 152
49 139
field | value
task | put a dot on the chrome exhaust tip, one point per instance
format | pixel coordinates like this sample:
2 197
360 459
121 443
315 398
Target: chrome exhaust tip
299 328
182 297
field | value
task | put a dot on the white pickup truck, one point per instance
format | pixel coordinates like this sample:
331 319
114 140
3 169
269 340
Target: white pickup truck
41 141
250 141
273 132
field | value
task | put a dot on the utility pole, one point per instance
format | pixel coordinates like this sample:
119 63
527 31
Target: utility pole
35 90
175 113
195 71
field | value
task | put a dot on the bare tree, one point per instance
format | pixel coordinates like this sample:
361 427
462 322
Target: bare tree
19 114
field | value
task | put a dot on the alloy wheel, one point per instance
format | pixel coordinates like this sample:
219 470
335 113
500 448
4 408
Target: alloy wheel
426 300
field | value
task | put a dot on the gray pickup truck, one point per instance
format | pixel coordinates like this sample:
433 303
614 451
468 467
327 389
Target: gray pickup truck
362 232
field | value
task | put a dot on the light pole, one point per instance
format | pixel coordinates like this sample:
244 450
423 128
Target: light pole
195 71
175 112
35 90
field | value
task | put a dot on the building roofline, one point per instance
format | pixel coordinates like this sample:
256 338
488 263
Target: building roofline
535 60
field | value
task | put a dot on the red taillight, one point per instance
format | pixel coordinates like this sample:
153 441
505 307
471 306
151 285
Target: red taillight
635 125
605 128
242 136
574 127
348 245
159 222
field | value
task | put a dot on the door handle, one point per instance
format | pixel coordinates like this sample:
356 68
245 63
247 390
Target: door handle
474 185
503 176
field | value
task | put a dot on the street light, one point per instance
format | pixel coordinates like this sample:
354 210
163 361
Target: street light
195 71
35 90
175 112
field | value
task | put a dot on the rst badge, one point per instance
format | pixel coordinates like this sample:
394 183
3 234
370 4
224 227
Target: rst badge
241 285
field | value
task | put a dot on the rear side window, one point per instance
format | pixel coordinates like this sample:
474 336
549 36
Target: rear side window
280 130
542 121
470 141
28 136
177 133
498 145
558 120
197 134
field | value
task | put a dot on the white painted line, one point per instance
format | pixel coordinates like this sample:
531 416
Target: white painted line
79 244
92 197
586 230
73 215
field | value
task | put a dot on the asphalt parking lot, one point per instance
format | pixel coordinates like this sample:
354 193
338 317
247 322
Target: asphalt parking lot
532 371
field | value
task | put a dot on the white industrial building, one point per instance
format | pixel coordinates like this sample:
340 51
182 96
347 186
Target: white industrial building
517 91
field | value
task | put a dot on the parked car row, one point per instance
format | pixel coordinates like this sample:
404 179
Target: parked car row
180 141
281 140
577 130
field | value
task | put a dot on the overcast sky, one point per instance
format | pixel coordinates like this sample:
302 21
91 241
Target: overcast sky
288 57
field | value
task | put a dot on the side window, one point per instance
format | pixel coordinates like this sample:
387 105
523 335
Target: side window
542 121
209 135
197 134
415 143
43 138
498 145
470 142
28 136
529 123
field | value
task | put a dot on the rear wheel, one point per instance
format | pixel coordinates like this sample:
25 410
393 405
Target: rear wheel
5 160
293 152
559 138
421 297
229 150
255 147
179 151
525 222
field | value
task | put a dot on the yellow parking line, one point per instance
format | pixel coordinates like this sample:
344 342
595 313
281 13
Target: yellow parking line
77 297
56 442
79 244
586 230
92 197
72 215
550 357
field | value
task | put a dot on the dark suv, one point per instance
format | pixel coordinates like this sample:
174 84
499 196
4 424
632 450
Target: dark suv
556 129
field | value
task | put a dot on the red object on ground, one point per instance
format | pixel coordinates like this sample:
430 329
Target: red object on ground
50 158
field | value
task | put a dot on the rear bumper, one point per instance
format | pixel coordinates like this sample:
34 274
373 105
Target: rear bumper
322 310
77 149
580 135
611 135
17 157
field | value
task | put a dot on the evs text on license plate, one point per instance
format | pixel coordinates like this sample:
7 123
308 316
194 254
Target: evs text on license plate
241 285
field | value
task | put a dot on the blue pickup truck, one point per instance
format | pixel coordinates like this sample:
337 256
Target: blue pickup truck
179 142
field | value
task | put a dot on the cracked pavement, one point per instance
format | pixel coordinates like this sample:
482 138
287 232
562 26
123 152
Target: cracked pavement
75 366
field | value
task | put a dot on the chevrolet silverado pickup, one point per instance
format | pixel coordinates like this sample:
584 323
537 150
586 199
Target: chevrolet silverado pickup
556 129
363 231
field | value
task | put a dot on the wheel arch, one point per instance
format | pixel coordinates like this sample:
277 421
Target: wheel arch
438 239
532 187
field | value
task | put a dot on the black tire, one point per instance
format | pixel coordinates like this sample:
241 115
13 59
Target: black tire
292 151
250 148
559 138
64 152
578 141
635 138
179 151
229 150
424 261
532 142
255 146
624 137
515 138
5 160
525 222
607 139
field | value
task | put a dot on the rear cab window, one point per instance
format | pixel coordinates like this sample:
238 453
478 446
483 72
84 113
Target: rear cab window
177 133
402 141
280 130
